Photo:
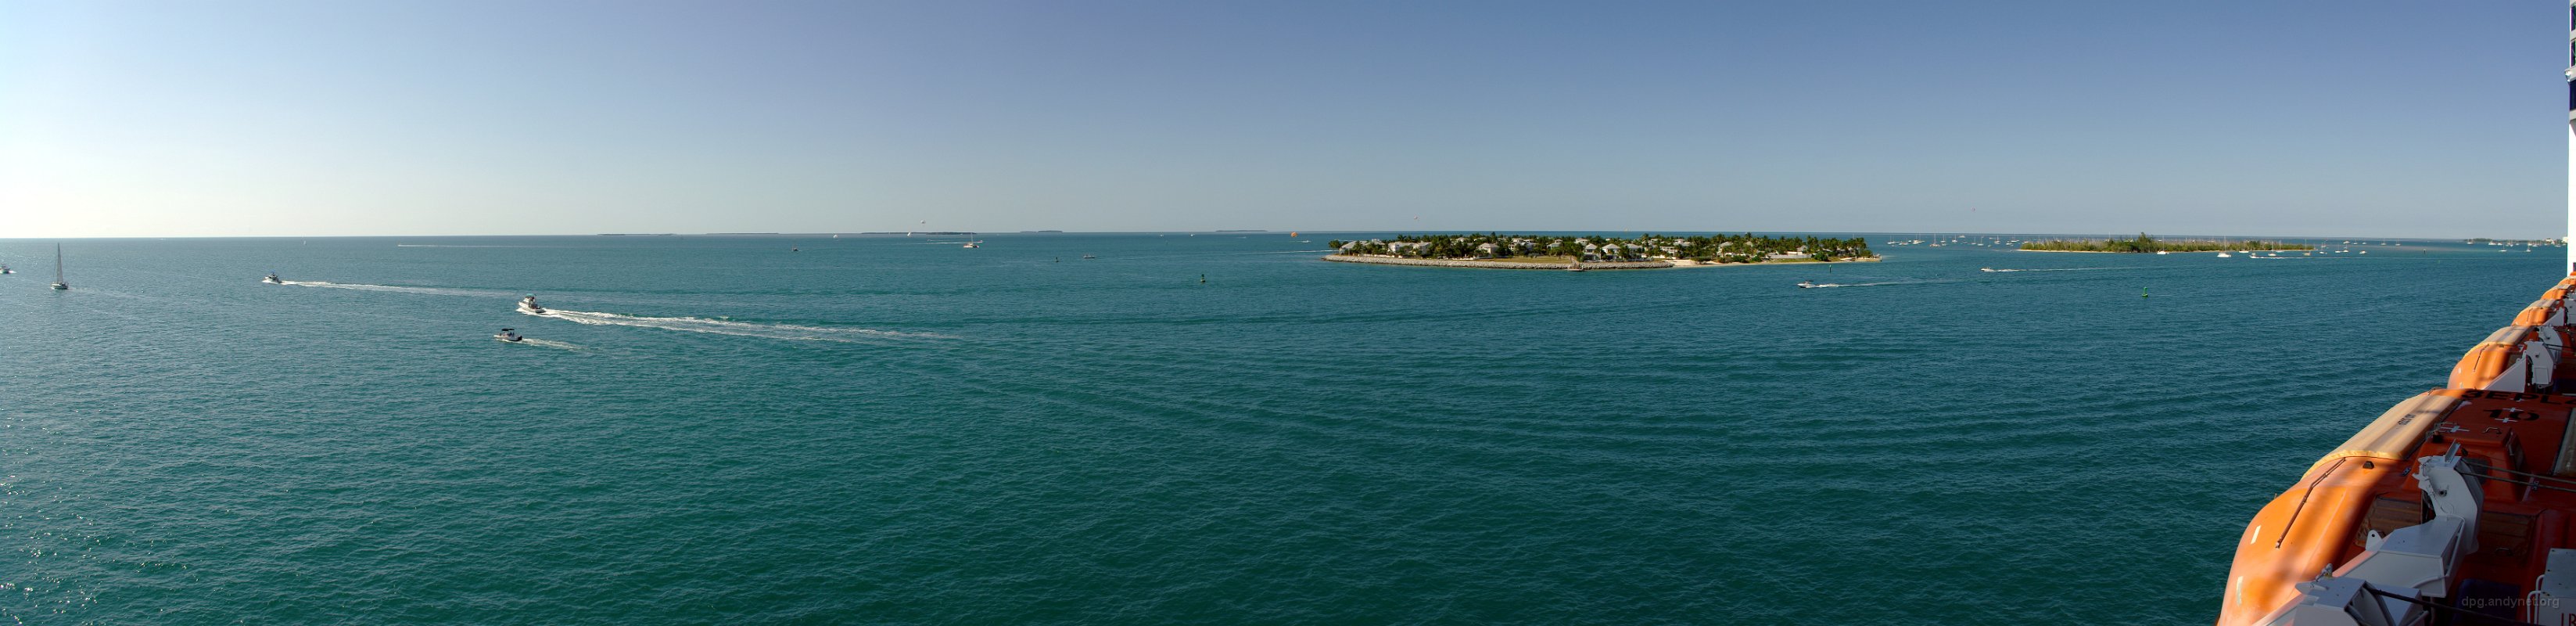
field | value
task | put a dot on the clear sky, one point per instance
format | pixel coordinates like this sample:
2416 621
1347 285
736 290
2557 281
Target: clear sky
2368 118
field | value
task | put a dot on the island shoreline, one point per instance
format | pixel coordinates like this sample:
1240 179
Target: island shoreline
1597 265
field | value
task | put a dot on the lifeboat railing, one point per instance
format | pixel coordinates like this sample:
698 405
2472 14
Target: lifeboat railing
2385 585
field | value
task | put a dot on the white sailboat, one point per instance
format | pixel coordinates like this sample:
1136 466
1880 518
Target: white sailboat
58 269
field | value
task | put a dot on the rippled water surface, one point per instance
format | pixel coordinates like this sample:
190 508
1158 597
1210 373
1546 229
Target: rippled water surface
888 430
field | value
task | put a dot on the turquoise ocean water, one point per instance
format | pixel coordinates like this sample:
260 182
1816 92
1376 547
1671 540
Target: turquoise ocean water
888 430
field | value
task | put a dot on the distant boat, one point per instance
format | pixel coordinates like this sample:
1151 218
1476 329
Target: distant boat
507 335
1806 284
529 305
273 279
4 269
2224 255
59 285
1985 269
973 243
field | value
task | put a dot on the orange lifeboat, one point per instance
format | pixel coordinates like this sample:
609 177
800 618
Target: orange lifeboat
2543 312
2513 358
2311 526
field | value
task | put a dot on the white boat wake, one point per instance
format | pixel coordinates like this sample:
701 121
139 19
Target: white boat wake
730 327
2061 269
1879 284
435 291
531 341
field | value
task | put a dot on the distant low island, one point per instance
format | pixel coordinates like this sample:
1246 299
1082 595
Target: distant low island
1499 251
2145 243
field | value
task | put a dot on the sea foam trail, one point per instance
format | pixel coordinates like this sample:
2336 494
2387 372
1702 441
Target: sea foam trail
2072 269
532 341
730 327
1892 282
435 291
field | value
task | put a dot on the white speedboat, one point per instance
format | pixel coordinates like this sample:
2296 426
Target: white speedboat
1985 269
272 279
509 336
1806 284
2224 255
529 305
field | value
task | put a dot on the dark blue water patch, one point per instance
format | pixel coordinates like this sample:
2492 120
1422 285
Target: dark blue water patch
877 429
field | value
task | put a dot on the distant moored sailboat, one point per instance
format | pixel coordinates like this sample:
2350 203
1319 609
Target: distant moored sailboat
58 268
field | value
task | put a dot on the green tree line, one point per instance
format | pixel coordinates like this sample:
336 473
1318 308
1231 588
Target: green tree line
2145 243
1743 248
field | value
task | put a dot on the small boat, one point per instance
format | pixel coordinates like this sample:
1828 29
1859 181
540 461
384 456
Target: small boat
1985 269
4 269
272 279
529 305
509 336
2224 255
1806 284
973 243
59 285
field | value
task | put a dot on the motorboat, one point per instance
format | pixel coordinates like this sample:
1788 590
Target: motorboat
272 279
509 336
1985 269
529 305
1806 284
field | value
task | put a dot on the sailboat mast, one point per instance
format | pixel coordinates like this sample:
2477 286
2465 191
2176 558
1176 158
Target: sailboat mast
58 263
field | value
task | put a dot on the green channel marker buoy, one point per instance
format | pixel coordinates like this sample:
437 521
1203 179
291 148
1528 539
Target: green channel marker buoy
2142 292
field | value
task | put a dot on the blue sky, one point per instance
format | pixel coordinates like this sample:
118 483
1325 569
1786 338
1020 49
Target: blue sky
381 118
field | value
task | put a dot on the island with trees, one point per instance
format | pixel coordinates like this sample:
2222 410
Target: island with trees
2145 243
1494 250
